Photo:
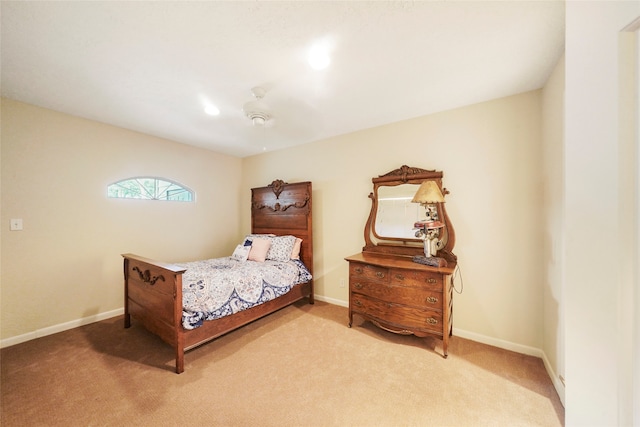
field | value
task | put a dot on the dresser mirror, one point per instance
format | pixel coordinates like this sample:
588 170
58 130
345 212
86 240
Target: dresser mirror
395 213
389 228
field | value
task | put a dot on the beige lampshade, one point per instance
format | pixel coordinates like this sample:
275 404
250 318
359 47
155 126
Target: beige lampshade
429 192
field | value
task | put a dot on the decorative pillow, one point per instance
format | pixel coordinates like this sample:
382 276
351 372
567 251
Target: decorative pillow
259 249
241 253
281 248
295 253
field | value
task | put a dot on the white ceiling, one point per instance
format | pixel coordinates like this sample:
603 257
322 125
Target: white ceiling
150 66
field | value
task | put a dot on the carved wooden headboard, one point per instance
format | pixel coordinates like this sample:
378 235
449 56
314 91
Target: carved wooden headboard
281 209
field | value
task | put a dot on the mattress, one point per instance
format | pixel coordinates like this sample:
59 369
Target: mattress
219 287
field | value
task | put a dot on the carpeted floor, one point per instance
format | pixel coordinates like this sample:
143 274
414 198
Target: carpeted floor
301 366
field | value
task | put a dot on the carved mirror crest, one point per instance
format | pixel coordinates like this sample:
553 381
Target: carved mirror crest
389 228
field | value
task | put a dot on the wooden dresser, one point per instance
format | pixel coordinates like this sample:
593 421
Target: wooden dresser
401 296
387 287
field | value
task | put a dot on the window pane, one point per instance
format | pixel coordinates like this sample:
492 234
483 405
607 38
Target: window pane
149 188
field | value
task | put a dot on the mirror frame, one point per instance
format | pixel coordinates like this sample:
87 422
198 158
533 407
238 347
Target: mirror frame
404 246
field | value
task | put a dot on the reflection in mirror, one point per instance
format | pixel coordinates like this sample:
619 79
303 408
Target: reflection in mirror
396 214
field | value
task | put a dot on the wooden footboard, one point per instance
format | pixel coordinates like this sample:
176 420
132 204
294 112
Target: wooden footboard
153 296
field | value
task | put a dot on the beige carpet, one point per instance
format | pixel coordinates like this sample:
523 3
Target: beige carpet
301 366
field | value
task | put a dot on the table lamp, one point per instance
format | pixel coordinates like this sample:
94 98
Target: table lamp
429 195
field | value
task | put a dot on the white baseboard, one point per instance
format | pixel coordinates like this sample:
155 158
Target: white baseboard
50 330
518 348
332 300
495 342
555 378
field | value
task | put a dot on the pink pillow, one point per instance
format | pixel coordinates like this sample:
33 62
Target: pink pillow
295 253
259 249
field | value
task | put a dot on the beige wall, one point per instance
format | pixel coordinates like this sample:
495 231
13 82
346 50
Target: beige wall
491 155
65 265
597 285
552 219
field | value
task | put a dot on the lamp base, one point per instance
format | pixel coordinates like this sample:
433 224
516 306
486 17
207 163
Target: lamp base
433 261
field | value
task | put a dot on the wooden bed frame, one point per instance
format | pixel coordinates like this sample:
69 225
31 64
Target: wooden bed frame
153 290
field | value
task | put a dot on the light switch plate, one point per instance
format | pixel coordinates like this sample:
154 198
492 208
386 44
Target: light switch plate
16 224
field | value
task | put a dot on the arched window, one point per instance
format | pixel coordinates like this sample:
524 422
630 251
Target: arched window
150 188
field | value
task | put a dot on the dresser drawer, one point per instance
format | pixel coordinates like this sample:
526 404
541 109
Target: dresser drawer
412 318
406 295
401 296
368 272
429 280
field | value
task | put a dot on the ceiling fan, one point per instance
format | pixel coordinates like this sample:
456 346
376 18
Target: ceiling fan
257 110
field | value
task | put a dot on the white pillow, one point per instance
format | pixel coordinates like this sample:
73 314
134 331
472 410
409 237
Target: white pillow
281 248
241 253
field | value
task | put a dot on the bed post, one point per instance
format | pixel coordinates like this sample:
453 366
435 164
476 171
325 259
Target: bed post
127 316
177 315
309 257
282 208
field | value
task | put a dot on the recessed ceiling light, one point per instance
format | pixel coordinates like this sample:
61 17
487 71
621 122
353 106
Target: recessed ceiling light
318 57
211 110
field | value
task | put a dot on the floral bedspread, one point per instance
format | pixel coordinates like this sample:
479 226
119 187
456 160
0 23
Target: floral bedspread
219 287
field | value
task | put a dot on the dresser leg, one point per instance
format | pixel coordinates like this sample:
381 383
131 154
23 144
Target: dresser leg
350 319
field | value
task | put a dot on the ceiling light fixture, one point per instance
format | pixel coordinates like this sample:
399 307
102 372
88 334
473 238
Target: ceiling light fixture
257 111
211 110
318 57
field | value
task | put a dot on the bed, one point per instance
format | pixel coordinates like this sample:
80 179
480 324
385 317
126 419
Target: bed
153 290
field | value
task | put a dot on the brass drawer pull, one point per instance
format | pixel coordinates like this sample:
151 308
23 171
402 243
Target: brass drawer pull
432 300
358 303
379 275
358 270
358 285
431 280
399 277
432 321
